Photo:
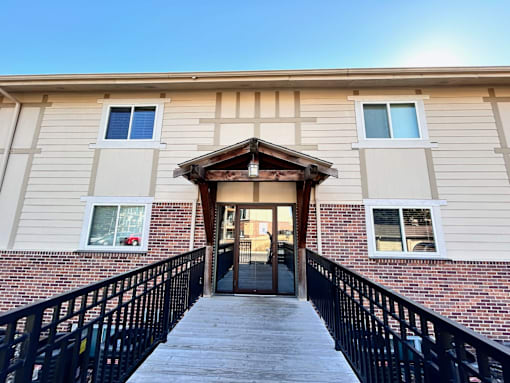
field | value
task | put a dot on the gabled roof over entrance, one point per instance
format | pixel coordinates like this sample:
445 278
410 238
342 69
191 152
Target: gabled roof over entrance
276 163
273 162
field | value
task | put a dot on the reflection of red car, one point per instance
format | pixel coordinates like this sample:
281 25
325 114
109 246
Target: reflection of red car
133 240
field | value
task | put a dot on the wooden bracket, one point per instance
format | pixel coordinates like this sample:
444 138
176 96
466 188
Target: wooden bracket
208 191
197 173
304 190
312 173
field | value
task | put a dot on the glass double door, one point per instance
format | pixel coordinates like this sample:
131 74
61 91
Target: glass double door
255 252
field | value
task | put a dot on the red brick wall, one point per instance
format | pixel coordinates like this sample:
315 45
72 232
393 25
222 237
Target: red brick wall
476 294
26 276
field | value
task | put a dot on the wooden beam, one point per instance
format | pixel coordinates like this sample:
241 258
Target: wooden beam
304 191
264 175
254 145
208 199
220 157
296 160
197 173
312 173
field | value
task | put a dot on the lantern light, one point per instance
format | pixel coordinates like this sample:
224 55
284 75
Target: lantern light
253 169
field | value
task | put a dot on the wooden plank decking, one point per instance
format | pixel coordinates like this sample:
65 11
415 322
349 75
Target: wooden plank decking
247 338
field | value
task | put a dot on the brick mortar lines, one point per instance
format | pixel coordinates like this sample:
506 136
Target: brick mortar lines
474 293
32 275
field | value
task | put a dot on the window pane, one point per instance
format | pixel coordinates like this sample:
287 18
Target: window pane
102 228
403 121
225 249
143 123
130 228
388 236
419 231
118 123
376 121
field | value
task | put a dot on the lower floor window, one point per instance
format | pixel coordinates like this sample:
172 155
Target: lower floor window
116 226
408 230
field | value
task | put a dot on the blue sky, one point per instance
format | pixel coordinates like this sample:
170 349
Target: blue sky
165 36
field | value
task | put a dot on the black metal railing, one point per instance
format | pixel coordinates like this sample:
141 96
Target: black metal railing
100 332
225 259
389 338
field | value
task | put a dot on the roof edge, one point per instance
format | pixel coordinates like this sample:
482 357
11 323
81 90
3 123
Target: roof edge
455 71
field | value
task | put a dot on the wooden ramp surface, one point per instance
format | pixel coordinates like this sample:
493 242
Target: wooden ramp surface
247 339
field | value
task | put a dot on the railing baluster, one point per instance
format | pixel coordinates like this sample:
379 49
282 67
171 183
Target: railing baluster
378 331
115 324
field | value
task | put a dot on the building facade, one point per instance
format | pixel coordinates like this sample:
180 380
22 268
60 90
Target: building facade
421 201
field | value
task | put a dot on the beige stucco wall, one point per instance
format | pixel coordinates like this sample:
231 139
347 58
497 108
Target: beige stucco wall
9 197
277 192
467 172
124 173
251 192
397 174
470 175
504 110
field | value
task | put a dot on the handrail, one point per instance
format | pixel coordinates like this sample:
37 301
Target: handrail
387 337
100 332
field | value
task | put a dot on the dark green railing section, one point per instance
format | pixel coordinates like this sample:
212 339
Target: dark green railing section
103 331
389 338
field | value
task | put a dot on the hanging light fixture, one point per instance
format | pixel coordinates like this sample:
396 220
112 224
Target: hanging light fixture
253 168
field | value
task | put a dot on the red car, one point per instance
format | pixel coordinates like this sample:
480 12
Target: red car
133 240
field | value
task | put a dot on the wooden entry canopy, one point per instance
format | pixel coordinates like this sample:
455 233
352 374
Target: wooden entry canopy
276 164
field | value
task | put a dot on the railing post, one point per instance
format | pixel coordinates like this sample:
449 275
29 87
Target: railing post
29 348
336 307
302 294
445 364
166 303
208 271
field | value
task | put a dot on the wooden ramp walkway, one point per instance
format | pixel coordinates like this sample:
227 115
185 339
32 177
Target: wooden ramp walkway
247 339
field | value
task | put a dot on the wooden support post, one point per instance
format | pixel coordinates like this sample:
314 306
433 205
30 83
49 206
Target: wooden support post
304 190
208 199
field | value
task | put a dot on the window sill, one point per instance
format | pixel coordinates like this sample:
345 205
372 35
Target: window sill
432 257
128 145
390 144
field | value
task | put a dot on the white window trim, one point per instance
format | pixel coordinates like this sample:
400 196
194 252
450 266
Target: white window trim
363 142
154 143
109 201
437 227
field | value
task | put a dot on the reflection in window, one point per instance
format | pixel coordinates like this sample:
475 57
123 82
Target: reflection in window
131 122
225 249
391 120
376 121
116 226
418 230
102 229
388 236
286 251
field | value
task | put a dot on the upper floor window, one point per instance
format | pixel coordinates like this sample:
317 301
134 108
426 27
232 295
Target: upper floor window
390 120
131 123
